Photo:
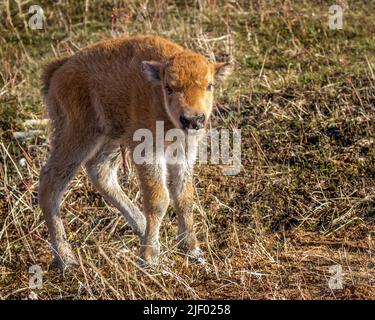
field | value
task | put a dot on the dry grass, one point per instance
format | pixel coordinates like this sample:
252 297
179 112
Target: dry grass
303 96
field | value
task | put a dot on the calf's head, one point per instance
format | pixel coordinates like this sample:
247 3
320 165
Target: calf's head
187 83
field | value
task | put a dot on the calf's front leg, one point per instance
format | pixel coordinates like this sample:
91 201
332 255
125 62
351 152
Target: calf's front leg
155 204
182 193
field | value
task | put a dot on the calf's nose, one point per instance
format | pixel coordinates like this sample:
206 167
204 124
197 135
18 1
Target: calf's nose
193 122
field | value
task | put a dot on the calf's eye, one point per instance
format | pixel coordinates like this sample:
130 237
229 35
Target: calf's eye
210 87
168 90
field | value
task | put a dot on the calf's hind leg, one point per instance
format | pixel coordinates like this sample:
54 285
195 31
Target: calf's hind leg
69 151
102 169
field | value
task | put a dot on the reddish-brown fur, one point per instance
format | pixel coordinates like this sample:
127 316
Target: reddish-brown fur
96 100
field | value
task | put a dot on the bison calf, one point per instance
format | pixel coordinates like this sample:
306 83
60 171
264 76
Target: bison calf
96 101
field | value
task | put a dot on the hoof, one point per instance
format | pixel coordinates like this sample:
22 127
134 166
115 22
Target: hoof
148 264
196 256
65 263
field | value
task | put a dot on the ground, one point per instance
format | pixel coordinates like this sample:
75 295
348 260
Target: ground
296 223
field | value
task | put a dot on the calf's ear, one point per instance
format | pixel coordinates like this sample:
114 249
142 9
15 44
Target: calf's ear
222 71
152 70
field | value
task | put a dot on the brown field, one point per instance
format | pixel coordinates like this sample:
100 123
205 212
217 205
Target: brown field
303 96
